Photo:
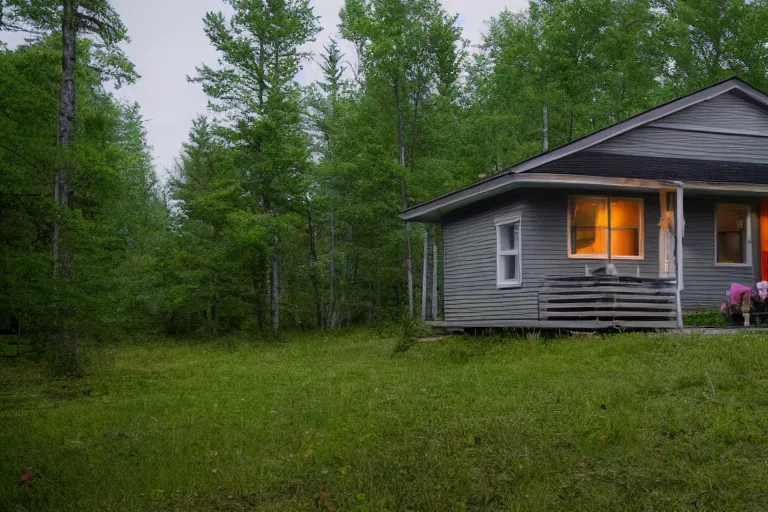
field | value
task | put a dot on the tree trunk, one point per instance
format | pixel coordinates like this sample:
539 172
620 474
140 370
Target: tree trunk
275 295
404 197
435 312
212 320
545 128
66 346
424 274
414 130
259 302
313 268
570 125
332 276
62 189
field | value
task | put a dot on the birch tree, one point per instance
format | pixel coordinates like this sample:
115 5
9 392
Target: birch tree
411 47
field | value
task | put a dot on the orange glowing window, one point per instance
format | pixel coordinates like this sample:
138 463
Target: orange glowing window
589 219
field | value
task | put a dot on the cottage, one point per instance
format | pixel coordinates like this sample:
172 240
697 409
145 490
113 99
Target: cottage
627 227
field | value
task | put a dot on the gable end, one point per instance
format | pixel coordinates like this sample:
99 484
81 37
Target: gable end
729 127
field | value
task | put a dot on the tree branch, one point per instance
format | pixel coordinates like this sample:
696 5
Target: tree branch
19 155
103 29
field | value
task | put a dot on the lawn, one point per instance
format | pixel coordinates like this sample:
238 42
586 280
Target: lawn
336 421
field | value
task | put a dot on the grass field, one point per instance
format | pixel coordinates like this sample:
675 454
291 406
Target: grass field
335 421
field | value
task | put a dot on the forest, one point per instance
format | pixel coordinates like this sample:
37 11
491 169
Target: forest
281 210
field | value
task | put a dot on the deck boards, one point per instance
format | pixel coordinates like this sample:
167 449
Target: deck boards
608 301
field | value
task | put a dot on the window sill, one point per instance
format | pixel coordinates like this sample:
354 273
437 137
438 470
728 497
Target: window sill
733 265
503 286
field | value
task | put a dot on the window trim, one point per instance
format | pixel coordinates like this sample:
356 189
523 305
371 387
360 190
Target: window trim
748 249
606 256
499 223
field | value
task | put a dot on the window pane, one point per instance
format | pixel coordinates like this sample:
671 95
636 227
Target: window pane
589 226
732 233
508 237
508 268
625 227
625 213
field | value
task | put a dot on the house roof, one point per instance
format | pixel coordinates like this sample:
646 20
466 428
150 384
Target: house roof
509 178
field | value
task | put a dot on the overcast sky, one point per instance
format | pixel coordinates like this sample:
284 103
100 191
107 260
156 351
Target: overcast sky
168 42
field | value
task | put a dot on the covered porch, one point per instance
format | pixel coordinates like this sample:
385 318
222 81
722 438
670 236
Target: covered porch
563 289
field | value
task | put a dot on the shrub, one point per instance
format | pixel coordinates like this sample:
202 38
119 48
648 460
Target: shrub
409 331
709 318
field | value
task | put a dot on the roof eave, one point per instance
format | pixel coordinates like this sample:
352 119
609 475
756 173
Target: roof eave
434 213
424 212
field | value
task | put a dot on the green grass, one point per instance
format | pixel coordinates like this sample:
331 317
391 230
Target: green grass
628 422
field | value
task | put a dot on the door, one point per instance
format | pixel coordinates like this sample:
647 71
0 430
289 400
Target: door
763 274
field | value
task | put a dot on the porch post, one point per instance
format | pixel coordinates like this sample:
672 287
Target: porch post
679 231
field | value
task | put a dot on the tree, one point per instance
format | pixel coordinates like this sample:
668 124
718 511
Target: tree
409 47
117 219
260 56
72 17
710 40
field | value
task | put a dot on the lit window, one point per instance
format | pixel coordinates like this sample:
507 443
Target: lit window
590 237
733 234
508 253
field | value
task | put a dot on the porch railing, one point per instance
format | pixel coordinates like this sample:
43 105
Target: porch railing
608 301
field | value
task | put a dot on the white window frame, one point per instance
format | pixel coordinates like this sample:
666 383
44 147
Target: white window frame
607 256
748 249
517 251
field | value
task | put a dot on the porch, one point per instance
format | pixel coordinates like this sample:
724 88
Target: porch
604 302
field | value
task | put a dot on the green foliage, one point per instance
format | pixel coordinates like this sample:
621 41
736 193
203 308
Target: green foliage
95 18
409 331
711 318
588 424
117 221
282 209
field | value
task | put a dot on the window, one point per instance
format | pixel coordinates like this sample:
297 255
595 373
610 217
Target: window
508 254
597 223
732 234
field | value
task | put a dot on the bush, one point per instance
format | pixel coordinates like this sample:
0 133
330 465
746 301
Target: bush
709 318
409 331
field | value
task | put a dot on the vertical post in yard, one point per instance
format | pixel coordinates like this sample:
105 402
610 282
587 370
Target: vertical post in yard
679 231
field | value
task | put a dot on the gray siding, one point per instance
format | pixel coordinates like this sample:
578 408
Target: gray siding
728 111
470 256
659 142
704 282
470 294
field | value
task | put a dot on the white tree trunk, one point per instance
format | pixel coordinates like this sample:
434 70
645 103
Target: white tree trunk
275 287
545 128
332 276
404 197
424 274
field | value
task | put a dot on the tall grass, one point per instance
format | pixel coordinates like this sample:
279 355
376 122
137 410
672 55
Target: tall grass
333 421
